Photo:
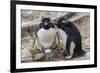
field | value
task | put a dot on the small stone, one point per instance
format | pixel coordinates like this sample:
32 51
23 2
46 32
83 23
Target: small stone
39 56
68 57
48 51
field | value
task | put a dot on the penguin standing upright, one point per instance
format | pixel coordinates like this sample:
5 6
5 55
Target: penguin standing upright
71 38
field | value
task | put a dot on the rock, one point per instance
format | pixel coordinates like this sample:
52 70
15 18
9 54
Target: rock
38 56
26 55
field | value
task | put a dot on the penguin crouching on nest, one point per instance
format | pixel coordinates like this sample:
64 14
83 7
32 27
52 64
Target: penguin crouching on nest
46 36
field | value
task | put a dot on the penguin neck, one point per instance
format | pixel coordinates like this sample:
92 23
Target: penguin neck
47 29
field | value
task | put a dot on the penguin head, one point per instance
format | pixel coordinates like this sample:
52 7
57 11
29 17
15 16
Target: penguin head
44 20
59 22
46 23
62 21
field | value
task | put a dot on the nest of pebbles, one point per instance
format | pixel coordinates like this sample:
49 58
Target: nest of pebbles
55 55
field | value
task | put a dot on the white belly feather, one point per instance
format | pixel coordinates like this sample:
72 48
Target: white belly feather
63 37
46 37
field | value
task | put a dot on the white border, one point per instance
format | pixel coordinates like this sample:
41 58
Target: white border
20 65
